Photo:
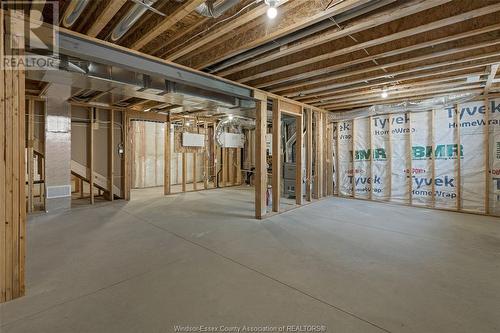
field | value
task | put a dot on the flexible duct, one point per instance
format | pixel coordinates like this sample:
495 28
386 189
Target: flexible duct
133 15
74 11
214 9
236 123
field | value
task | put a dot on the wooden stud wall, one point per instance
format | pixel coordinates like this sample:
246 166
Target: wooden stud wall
12 173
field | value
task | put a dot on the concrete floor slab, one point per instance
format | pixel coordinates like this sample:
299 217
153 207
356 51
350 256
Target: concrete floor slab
200 259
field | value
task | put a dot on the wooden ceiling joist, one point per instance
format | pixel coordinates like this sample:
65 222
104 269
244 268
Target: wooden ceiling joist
328 36
491 77
301 65
221 30
428 71
112 7
182 11
304 13
385 67
362 75
468 70
393 49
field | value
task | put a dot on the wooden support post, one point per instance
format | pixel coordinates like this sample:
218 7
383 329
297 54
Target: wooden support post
126 160
111 154
298 158
4 274
309 156
166 156
459 156
230 166
433 158
410 158
337 148
487 111
12 170
91 154
329 151
276 175
195 160
238 166
318 160
260 158
353 157
371 156
325 152
206 157
30 160
224 166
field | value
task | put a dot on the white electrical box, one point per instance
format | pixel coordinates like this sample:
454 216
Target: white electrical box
193 140
231 140
269 143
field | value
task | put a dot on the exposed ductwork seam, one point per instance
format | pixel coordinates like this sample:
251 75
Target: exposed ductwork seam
133 15
74 11
214 9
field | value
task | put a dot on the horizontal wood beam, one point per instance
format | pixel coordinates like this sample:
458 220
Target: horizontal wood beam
294 16
374 42
181 12
223 29
393 50
356 26
105 16
362 77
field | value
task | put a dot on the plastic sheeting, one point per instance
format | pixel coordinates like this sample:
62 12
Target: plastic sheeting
148 150
445 157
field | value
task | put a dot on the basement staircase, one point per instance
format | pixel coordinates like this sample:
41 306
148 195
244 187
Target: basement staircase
82 172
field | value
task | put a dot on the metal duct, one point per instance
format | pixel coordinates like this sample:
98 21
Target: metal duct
133 15
214 9
74 11
235 122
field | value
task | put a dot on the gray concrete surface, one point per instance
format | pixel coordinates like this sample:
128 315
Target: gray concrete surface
200 259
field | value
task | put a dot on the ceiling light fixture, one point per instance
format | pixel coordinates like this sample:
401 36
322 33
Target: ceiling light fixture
385 93
272 12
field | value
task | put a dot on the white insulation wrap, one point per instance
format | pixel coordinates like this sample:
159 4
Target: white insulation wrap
345 157
400 157
445 158
148 152
362 171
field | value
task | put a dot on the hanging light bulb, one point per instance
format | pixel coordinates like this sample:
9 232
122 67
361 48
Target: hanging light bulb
385 93
272 12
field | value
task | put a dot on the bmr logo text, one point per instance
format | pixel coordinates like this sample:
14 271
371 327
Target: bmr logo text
442 151
31 37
